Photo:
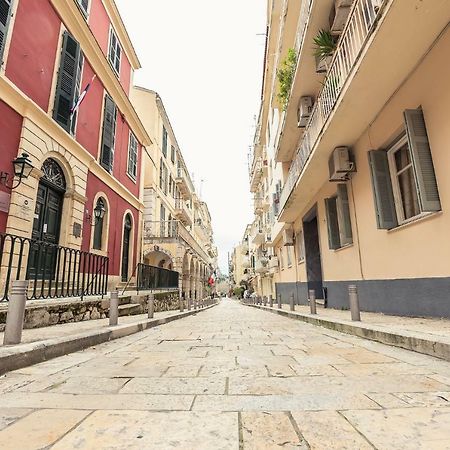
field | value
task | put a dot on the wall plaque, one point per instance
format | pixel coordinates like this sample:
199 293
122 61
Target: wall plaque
76 229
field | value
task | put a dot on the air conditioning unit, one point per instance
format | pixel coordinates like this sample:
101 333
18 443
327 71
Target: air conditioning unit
304 110
288 237
340 164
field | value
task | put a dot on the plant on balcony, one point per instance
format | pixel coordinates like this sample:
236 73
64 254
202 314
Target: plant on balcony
285 77
324 47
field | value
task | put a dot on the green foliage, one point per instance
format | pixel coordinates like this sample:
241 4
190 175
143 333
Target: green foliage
285 77
238 292
324 44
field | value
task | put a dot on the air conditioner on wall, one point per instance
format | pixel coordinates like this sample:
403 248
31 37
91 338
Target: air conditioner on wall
340 164
304 110
288 237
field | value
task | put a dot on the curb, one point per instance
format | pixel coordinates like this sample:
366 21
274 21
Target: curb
23 355
409 341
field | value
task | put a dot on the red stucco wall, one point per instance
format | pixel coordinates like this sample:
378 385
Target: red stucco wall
10 129
99 24
33 50
117 206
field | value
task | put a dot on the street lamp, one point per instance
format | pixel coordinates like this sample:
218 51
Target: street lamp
99 213
22 169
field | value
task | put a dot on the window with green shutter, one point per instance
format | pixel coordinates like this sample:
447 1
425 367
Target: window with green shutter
68 77
109 132
164 142
132 156
115 52
83 5
172 154
5 16
338 219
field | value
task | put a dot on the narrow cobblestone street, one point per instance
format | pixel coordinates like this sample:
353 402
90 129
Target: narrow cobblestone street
229 378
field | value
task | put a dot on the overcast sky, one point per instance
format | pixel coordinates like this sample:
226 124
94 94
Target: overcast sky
204 58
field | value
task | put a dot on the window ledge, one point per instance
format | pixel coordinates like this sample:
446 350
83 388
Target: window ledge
414 220
336 250
131 177
98 252
302 261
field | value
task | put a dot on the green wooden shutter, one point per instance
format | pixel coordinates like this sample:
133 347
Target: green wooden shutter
334 240
5 15
84 4
345 224
382 190
109 129
67 80
422 160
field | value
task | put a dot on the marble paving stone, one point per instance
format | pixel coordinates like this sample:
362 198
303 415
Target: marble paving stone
12 381
180 370
433 399
319 360
143 402
316 371
154 430
280 371
242 372
200 385
395 368
386 400
329 430
88 385
418 428
10 415
269 430
39 429
358 355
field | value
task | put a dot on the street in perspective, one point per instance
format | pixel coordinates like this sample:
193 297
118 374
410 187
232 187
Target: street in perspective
224 225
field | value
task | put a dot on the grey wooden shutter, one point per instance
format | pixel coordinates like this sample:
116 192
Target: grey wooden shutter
67 80
382 190
5 15
109 128
334 240
345 224
84 6
422 160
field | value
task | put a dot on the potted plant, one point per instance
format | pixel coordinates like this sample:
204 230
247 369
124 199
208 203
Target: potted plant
324 47
285 77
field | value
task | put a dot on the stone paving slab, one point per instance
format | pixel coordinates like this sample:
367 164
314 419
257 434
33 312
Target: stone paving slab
232 377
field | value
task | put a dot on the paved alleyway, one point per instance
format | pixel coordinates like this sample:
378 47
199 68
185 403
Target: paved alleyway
229 378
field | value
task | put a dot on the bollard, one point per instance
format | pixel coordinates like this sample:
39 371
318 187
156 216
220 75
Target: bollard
279 301
271 301
181 304
312 301
265 300
16 312
354 303
188 304
114 308
151 305
291 302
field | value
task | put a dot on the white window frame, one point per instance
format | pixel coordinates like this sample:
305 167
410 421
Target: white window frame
300 243
114 57
84 12
131 138
399 208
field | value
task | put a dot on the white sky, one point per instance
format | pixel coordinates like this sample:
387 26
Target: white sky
204 58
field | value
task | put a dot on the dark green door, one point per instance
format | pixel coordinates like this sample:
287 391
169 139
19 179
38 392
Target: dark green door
126 248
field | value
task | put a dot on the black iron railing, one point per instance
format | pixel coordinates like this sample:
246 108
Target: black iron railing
155 278
53 271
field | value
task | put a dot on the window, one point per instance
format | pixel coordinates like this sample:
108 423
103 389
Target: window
403 178
132 156
170 184
74 118
109 132
300 246
164 142
163 176
172 154
99 225
5 16
289 259
338 219
83 5
281 258
69 81
115 52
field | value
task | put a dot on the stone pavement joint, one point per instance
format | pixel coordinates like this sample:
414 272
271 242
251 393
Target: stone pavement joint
251 381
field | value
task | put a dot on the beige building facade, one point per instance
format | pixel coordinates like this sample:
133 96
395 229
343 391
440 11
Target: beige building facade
177 230
351 170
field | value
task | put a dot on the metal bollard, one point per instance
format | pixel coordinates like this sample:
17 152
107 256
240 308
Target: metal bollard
271 301
265 300
279 301
291 302
181 304
151 305
16 312
114 308
188 304
354 303
312 301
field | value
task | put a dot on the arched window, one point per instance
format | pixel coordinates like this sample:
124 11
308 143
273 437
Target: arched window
126 244
99 225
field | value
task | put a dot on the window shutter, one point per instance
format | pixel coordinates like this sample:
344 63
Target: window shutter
334 241
5 15
109 128
382 190
422 160
343 208
67 81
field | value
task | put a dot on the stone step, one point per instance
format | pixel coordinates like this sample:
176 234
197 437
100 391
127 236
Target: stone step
124 300
129 309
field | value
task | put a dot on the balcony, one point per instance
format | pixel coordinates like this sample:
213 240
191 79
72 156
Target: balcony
246 262
259 238
184 183
365 47
182 212
258 205
256 174
273 264
262 265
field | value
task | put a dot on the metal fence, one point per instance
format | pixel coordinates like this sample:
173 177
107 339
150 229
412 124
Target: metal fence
53 271
155 278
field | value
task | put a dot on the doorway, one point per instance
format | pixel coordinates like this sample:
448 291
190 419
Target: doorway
47 222
126 247
312 253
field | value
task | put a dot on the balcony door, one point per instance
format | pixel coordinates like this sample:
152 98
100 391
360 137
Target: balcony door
126 247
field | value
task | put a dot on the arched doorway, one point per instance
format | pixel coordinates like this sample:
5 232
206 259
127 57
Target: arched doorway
126 242
47 220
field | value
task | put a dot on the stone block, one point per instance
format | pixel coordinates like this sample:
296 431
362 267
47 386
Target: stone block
95 315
